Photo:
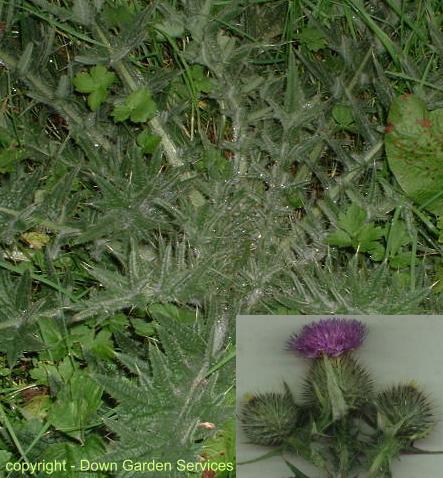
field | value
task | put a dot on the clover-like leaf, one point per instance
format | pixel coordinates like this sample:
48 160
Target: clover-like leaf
96 82
312 38
339 238
352 220
354 231
201 82
139 107
148 142
76 405
368 236
343 116
9 157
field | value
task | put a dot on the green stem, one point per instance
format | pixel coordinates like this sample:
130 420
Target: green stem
335 394
388 450
343 434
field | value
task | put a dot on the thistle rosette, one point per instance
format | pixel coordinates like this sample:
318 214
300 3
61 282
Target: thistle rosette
269 418
330 337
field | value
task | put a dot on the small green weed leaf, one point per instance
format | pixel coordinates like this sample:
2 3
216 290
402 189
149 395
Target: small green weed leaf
214 164
161 312
81 338
102 345
201 82
312 38
339 238
53 338
143 328
355 232
73 453
368 235
5 456
377 251
119 15
343 116
400 260
53 375
66 368
117 323
9 157
139 107
37 407
76 405
398 237
96 98
352 220
295 198
97 77
148 142
10 152
96 82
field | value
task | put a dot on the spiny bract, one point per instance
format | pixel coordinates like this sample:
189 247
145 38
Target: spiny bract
351 379
405 412
269 418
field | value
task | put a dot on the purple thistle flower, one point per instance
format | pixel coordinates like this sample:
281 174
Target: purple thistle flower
331 337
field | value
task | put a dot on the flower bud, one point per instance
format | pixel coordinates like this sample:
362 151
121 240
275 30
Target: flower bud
269 418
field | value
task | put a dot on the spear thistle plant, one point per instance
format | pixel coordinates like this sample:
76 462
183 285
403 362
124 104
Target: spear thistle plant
339 424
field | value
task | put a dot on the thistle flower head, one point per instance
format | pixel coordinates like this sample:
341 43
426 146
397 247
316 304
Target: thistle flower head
332 337
269 418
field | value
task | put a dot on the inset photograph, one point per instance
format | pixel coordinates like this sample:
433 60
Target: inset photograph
339 396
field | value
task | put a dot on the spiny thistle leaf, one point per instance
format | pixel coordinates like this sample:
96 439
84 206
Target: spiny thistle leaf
174 389
18 317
